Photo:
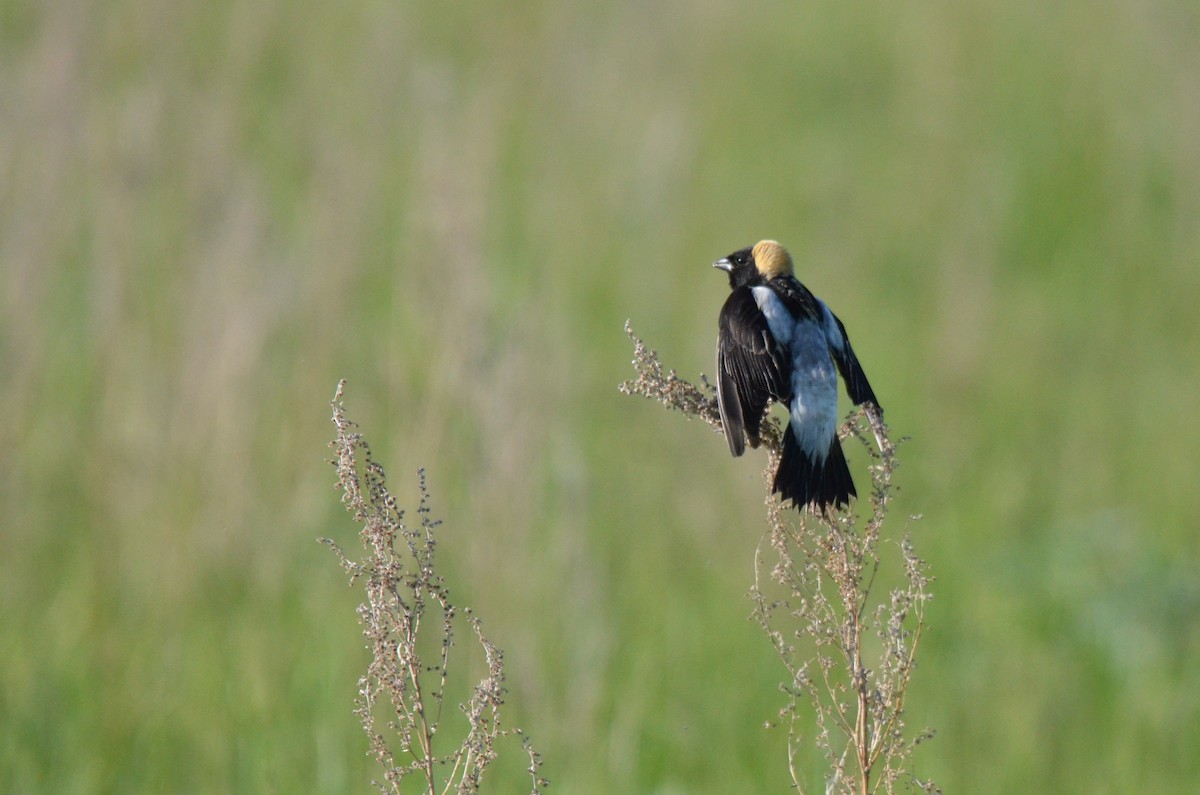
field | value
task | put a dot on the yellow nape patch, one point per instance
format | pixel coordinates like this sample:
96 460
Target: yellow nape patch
771 259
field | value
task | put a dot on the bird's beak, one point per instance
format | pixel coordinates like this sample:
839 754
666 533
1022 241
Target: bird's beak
724 264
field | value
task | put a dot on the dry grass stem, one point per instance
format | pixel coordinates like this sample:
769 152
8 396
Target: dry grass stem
409 622
849 653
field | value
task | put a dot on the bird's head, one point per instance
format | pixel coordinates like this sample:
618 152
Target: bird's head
756 264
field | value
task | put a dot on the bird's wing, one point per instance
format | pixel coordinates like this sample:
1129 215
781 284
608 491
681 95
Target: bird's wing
750 369
857 385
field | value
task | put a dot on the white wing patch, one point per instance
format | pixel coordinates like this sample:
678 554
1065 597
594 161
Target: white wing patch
779 320
832 332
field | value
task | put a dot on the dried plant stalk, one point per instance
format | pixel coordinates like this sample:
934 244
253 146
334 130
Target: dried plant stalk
407 611
815 604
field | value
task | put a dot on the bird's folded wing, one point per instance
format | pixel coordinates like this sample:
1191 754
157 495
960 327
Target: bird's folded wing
857 386
751 370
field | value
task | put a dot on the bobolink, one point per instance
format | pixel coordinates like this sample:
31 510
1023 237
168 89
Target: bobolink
779 342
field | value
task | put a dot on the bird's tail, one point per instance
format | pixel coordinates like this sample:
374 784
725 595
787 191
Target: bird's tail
810 481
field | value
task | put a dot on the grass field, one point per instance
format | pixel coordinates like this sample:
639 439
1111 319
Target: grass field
211 212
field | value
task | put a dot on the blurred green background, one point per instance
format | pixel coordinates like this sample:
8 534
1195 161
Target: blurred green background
212 211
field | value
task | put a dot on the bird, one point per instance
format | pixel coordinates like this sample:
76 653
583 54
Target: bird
777 342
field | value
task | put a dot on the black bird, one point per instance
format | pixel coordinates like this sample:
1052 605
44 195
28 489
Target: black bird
779 342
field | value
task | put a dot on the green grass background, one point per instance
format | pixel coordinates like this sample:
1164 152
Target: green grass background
212 211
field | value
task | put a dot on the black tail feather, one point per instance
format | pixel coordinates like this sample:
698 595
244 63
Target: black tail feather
806 481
